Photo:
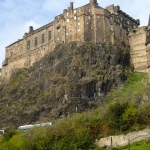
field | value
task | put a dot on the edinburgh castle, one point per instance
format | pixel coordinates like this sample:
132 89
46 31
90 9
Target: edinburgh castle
89 23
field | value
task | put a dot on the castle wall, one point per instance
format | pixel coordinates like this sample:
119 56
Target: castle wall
137 38
0 75
27 51
87 23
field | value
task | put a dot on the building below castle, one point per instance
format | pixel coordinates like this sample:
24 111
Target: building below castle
90 23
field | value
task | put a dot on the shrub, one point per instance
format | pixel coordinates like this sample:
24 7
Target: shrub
116 110
144 114
8 135
130 117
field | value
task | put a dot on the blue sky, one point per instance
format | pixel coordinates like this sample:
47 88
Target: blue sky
17 15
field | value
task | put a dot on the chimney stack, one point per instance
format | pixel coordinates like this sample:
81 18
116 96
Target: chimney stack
71 5
93 2
30 29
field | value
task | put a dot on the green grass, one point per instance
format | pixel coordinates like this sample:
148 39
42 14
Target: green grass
141 145
134 86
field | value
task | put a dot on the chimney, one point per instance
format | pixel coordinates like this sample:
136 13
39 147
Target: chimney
93 2
138 21
71 5
30 29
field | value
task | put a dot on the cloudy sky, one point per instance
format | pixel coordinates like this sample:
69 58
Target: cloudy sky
17 15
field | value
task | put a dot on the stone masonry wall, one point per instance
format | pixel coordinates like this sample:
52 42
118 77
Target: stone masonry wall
0 75
137 38
122 140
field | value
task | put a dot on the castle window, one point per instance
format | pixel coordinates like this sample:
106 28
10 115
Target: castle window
134 26
75 17
134 31
58 29
89 10
28 44
89 17
128 22
111 28
67 13
128 29
35 44
58 39
91 26
120 25
78 18
78 30
98 23
120 33
67 20
67 33
75 11
87 23
49 35
111 19
70 25
78 23
43 38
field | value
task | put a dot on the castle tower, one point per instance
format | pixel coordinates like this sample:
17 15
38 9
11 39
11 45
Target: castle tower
93 2
148 47
137 38
148 33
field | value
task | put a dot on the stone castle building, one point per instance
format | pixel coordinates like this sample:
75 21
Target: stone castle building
137 39
0 75
90 23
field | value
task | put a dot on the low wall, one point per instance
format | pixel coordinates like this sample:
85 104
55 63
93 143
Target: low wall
121 140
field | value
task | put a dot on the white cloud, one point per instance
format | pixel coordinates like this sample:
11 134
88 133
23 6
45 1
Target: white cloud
25 27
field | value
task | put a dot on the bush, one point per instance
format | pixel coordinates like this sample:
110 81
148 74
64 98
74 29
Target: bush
116 111
130 117
144 114
8 135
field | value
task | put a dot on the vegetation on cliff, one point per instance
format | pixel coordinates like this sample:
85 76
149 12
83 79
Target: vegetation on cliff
79 131
75 77
83 89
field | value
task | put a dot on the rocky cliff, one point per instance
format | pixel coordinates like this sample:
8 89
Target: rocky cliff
73 78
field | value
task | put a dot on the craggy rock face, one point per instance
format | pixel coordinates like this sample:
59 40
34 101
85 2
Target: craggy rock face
73 78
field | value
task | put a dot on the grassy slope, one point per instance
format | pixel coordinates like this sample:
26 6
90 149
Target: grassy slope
141 145
135 86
